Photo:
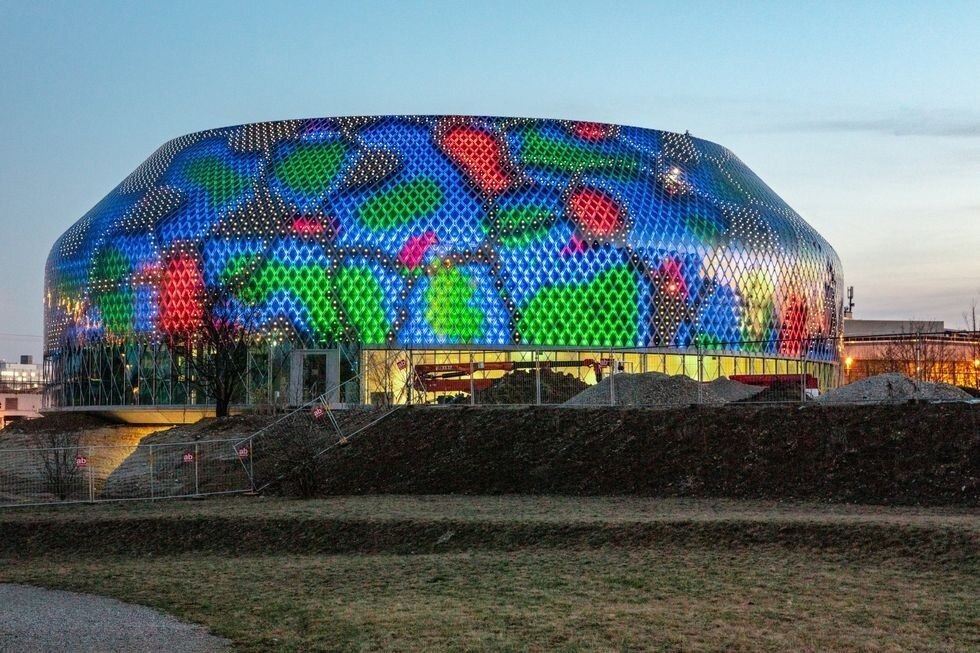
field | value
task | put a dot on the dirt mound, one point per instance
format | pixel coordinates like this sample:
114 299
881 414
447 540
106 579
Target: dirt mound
730 390
652 389
779 392
519 388
57 423
213 428
35 451
893 388
215 442
973 392
886 454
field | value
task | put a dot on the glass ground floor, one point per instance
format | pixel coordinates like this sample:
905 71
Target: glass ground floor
276 374
550 376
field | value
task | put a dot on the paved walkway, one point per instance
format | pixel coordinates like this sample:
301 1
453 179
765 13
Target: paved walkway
35 619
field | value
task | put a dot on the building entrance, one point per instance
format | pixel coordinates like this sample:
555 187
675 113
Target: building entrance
313 372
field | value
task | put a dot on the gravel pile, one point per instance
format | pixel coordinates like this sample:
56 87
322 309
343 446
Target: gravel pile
648 389
893 388
733 390
519 388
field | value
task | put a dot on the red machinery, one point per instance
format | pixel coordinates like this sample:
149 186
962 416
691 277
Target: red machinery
458 377
810 383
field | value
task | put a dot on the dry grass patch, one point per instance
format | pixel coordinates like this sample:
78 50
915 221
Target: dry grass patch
664 598
505 508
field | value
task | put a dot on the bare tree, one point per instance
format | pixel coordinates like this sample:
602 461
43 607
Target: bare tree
209 326
970 318
217 351
918 355
59 454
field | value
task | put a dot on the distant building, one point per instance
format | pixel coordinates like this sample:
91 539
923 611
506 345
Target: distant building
25 376
15 406
21 390
920 349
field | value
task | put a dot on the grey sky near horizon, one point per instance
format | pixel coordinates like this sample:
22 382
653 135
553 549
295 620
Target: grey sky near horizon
863 116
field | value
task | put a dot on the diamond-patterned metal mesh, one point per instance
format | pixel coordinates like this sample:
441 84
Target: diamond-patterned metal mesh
424 231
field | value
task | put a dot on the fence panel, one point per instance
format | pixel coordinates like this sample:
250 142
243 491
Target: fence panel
82 473
44 475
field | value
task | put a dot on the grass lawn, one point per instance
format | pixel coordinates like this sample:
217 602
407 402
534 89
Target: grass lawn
661 596
611 599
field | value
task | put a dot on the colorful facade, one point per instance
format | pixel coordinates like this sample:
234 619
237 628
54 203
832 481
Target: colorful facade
500 236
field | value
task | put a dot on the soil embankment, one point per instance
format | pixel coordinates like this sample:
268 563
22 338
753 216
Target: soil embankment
890 454
886 454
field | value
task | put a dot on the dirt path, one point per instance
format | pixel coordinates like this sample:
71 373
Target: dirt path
36 619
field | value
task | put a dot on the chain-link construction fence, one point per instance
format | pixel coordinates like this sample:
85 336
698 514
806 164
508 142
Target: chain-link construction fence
157 469
79 473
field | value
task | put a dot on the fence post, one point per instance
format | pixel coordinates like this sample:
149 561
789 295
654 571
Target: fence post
411 376
612 379
91 477
537 378
472 385
248 376
251 464
803 348
197 486
700 354
268 378
152 495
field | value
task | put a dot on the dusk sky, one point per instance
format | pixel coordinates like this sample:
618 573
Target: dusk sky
864 117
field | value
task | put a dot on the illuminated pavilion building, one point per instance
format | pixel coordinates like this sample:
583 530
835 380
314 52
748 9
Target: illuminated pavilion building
342 245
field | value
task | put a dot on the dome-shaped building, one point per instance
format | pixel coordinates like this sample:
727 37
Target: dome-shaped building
335 246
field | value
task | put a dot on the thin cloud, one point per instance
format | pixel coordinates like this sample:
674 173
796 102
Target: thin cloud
906 125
